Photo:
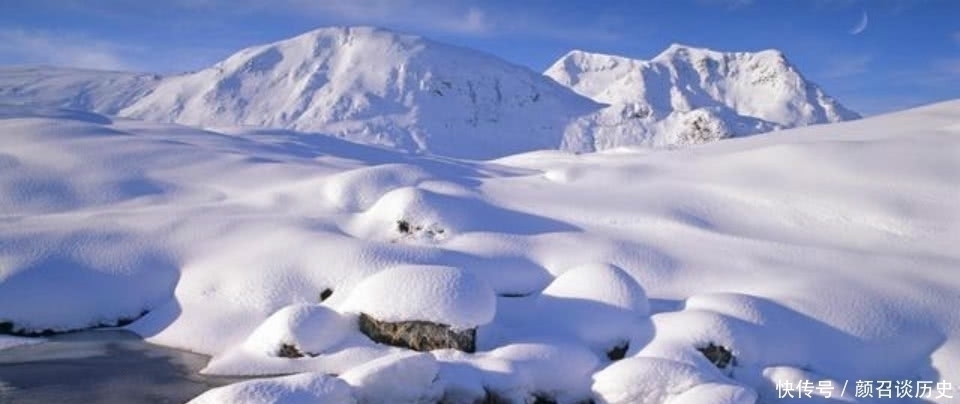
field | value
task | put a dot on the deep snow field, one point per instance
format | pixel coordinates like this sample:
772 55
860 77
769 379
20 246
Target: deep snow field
825 253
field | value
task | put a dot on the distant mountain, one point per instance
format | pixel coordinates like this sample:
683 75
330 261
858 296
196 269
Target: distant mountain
690 95
379 87
79 89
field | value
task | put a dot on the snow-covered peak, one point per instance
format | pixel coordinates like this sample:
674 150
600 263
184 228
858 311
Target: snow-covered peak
761 85
374 86
688 94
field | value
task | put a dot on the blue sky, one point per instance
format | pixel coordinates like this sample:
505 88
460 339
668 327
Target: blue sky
908 54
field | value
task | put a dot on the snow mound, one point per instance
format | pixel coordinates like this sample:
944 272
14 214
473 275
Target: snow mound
406 377
833 272
296 389
602 283
643 380
716 393
559 370
358 190
443 295
311 328
600 304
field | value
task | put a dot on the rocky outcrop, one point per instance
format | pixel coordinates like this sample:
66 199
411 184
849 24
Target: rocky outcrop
418 335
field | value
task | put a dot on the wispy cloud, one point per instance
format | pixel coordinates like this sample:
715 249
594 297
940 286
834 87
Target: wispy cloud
848 66
956 37
62 49
458 17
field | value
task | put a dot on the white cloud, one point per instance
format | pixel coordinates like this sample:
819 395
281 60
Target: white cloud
462 17
430 15
848 66
61 49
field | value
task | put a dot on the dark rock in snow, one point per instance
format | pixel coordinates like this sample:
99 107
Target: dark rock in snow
325 294
418 335
618 352
718 355
289 351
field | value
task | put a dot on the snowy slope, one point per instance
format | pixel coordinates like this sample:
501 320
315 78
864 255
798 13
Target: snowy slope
96 91
691 95
825 253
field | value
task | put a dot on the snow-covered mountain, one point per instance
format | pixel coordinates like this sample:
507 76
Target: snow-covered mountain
378 87
97 91
690 95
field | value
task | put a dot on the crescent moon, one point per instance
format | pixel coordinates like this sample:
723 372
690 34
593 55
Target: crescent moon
861 26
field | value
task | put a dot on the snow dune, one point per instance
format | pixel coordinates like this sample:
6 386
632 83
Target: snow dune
823 253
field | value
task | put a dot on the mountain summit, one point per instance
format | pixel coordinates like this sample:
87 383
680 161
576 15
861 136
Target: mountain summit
374 86
691 95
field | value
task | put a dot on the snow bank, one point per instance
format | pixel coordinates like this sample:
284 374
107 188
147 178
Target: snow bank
229 238
442 295
297 389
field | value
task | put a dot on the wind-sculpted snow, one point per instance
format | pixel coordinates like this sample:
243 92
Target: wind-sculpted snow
823 254
378 87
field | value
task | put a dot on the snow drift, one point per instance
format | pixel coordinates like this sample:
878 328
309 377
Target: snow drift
825 253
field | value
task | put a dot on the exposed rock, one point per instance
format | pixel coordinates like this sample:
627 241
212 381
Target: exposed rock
325 294
289 351
718 355
403 227
618 352
418 335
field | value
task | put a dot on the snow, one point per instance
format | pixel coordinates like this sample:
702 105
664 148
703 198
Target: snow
825 253
8 341
689 95
442 295
297 389
379 87
601 304
310 328
400 378
604 284
646 380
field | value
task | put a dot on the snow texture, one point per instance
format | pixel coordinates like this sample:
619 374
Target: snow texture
441 295
303 388
311 328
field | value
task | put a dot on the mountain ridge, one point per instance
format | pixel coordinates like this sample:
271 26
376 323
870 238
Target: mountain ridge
687 94
376 86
